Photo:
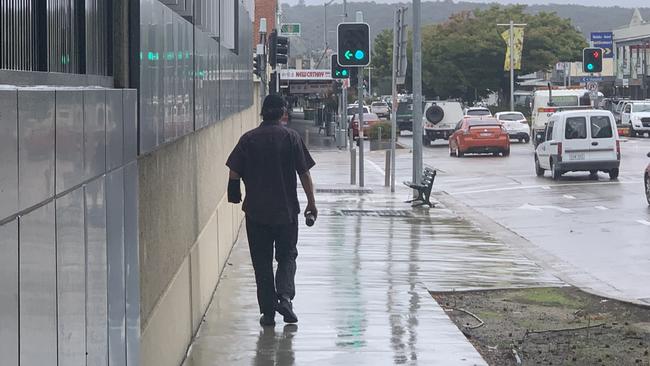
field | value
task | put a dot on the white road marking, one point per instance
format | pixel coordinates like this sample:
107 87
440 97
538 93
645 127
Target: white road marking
542 187
569 197
528 206
546 187
643 222
377 168
602 208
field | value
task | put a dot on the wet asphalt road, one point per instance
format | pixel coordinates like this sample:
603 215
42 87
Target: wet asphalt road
596 233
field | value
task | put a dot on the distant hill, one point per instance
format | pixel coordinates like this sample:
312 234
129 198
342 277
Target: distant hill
380 16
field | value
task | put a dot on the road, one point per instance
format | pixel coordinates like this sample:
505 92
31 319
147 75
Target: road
593 233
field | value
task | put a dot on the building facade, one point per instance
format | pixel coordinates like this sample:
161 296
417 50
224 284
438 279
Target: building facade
116 118
632 44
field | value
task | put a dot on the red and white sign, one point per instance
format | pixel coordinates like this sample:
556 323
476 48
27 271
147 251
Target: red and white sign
305 75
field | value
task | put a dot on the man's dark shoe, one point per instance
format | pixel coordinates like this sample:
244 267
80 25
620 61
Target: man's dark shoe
286 309
267 320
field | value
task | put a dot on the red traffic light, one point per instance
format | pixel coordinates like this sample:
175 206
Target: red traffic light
596 54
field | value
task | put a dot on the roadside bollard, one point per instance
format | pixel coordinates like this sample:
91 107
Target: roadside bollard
353 166
387 170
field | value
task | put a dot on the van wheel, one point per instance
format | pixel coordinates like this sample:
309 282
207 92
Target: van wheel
459 153
593 174
506 152
526 139
613 174
538 169
555 172
632 131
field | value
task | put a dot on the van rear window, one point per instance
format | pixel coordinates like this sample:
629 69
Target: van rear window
601 127
576 128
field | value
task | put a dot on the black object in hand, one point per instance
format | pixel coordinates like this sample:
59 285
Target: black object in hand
310 219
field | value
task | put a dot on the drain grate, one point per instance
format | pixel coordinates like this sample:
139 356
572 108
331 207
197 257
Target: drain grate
377 213
343 190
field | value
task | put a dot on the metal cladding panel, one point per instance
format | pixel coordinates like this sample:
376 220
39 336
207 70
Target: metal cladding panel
96 275
152 97
71 278
115 262
17 45
35 146
69 139
187 77
114 129
130 130
199 80
132 264
8 152
170 75
38 333
94 132
9 293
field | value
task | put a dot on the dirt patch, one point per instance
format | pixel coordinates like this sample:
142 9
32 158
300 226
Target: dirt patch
550 326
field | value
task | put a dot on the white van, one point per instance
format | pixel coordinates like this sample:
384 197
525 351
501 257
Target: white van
545 104
440 119
580 140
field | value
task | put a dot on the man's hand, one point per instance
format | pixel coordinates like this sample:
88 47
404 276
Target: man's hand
311 208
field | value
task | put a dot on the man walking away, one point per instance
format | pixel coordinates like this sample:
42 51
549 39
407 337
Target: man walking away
267 159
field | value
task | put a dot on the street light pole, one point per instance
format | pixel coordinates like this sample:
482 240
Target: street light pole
511 46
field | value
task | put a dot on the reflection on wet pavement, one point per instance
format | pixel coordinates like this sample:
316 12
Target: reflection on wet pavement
362 285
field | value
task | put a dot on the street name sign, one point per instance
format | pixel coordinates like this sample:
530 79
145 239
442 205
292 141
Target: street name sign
290 29
604 40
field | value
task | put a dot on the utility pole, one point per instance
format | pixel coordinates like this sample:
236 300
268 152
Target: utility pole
360 110
417 93
399 72
511 45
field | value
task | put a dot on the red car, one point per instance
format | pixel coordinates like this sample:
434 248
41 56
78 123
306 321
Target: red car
479 135
647 182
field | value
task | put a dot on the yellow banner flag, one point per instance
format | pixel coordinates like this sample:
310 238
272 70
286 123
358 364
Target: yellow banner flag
518 40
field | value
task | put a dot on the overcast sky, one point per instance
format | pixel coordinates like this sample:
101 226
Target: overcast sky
622 3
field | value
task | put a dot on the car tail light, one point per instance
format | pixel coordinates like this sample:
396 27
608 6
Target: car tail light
559 151
618 150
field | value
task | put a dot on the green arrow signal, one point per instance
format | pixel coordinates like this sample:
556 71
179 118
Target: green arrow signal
348 55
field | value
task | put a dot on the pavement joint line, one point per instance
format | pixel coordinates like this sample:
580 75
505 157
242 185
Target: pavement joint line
643 222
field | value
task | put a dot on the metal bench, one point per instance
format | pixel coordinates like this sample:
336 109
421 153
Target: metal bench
423 189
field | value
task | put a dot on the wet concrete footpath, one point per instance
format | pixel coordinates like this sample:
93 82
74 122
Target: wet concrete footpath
364 272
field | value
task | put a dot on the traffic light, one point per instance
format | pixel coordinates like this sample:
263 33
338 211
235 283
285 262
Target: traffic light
592 60
353 44
338 71
257 65
278 49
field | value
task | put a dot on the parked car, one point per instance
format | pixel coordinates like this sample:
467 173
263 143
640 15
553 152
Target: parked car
582 140
380 109
479 135
369 120
477 112
516 125
405 115
440 119
637 116
647 182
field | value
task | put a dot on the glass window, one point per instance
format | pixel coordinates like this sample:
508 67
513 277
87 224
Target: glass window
641 108
549 131
576 128
601 127
628 108
511 117
565 100
478 112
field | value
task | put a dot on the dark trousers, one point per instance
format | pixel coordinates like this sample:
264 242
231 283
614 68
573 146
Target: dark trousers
260 240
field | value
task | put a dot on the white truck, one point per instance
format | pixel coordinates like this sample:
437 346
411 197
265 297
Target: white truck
440 119
548 101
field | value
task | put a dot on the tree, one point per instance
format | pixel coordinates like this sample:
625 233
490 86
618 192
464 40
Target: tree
464 56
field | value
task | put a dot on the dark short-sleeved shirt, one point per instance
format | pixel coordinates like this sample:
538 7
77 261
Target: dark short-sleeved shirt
268 158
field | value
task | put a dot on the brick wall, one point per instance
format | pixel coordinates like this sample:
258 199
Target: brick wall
264 9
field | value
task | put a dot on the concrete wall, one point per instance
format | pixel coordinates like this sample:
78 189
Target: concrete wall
187 229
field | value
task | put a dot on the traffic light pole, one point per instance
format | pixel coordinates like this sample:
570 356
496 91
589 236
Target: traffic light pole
361 125
417 93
